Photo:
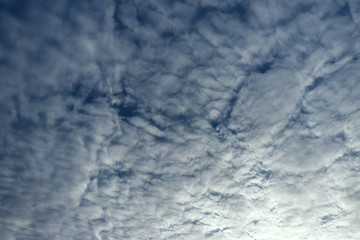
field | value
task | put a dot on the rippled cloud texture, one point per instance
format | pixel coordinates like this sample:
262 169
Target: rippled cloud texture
176 119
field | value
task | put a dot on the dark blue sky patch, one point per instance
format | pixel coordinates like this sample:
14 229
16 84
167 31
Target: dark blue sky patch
212 232
59 121
44 216
266 174
214 123
193 222
171 3
316 83
263 68
223 119
161 140
304 7
71 25
303 111
217 230
156 124
241 11
4 62
18 9
213 193
115 140
97 221
232 102
340 137
339 11
156 176
168 35
77 90
126 105
86 203
327 218
354 154
119 27
344 11
309 137
142 16
124 174
104 175
70 107
126 110
94 96
300 119
202 14
43 118
23 125
53 43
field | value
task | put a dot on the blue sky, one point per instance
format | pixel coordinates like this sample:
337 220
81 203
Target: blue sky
179 119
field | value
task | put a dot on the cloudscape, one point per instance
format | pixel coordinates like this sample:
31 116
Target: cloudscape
179 119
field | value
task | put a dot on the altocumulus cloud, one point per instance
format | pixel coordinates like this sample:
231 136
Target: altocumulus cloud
179 119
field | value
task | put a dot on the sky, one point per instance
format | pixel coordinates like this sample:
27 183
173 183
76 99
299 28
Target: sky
179 119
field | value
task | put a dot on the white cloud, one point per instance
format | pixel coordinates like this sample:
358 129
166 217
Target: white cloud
180 120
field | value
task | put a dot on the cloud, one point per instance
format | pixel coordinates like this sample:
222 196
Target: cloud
179 120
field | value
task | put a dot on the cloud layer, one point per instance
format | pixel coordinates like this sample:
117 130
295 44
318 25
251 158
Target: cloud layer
179 120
